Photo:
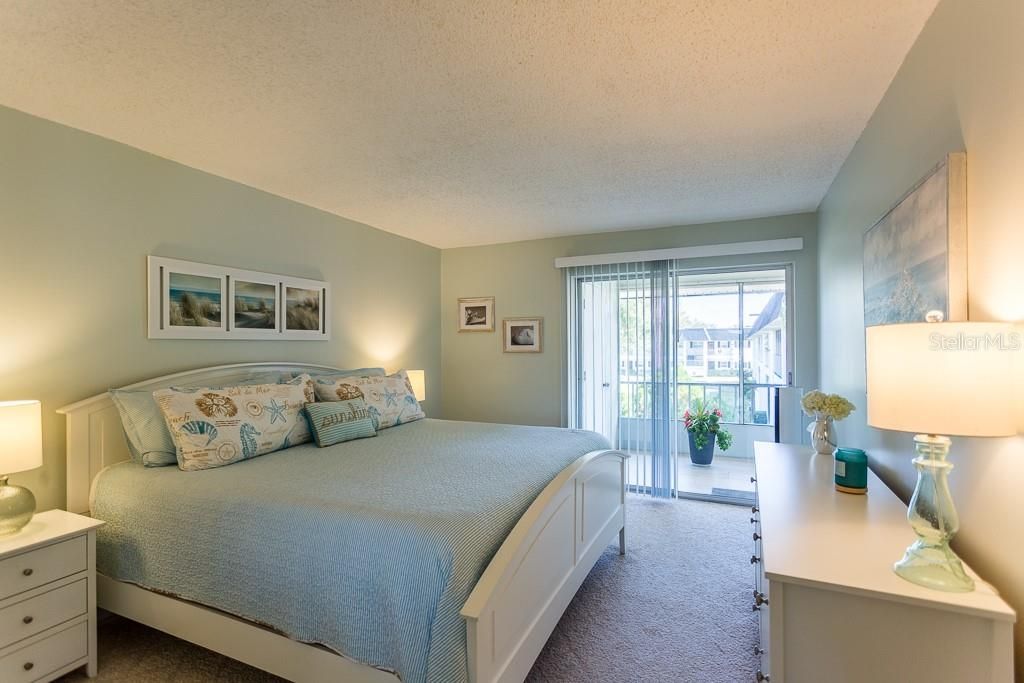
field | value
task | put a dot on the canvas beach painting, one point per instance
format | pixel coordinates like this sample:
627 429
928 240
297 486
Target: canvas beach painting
254 305
194 300
915 257
189 300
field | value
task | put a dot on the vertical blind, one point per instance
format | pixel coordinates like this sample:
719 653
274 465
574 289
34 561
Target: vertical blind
622 364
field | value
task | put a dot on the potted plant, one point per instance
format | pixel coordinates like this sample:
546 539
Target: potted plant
825 409
704 429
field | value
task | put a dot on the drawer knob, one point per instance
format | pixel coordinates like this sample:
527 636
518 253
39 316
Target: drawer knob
758 650
753 480
27 572
761 678
754 509
753 520
754 559
759 599
27 620
27 666
757 536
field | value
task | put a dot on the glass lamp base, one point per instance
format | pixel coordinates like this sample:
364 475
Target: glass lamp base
17 505
929 561
935 567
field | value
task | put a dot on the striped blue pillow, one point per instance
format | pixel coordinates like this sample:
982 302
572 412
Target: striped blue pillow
148 439
337 421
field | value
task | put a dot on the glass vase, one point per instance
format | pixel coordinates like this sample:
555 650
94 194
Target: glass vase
823 435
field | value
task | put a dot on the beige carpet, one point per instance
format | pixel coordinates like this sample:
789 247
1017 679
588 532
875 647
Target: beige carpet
675 608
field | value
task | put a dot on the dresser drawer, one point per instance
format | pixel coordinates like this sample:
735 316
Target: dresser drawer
23 572
41 658
35 615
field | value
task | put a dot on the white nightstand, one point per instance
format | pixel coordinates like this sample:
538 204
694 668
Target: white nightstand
48 598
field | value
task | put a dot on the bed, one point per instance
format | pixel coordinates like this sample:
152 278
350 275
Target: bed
436 551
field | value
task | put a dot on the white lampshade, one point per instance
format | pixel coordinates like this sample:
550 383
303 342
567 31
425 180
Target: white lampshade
951 379
21 436
419 384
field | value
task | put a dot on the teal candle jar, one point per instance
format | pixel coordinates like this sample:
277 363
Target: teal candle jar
851 470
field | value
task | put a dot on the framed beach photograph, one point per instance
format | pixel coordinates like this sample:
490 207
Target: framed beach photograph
915 256
304 313
253 307
192 300
476 314
522 335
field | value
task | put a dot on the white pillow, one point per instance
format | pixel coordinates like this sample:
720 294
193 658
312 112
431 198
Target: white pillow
390 400
216 427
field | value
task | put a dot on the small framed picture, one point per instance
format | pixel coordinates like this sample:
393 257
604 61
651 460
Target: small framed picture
522 335
254 312
193 300
476 314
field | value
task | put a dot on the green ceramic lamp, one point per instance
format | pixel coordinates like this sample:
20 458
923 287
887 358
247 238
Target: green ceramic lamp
939 379
21 448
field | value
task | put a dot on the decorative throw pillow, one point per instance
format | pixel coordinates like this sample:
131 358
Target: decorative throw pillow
148 439
389 399
215 427
339 421
145 429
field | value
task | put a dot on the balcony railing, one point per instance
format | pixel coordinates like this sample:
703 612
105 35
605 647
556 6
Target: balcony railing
749 403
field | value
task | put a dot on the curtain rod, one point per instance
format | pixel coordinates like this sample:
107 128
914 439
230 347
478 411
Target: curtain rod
703 251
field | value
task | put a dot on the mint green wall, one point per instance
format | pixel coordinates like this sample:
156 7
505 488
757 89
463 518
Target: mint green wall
79 213
482 383
960 87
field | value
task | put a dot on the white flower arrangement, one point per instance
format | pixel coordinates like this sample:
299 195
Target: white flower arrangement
818 403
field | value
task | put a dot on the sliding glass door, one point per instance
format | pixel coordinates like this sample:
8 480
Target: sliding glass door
649 341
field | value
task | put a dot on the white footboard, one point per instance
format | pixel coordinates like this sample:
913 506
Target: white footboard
538 569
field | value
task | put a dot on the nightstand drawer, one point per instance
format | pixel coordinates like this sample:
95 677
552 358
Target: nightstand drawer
42 565
35 661
35 615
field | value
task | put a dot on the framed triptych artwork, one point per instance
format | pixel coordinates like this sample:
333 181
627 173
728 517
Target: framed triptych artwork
190 300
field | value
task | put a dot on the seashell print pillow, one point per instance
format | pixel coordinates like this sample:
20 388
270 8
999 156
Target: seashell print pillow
215 427
390 399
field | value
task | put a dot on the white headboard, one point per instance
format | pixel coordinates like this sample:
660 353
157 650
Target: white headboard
95 437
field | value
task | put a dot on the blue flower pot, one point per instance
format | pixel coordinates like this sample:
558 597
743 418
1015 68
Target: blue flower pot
702 456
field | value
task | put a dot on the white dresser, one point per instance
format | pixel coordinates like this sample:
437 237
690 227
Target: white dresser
48 598
831 608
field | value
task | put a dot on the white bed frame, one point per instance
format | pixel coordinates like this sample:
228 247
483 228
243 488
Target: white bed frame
509 615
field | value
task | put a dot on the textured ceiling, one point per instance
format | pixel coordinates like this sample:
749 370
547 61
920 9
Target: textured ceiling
476 121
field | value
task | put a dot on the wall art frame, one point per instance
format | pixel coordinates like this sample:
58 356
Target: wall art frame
915 256
522 335
190 300
476 314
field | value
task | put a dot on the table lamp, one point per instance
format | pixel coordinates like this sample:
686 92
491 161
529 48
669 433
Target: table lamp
21 448
419 384
936 380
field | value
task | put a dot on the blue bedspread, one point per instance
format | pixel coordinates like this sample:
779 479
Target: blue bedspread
369 547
